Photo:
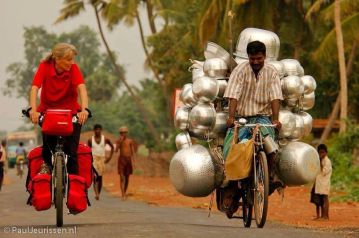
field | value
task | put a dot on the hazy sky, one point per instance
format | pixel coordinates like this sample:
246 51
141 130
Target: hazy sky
16 14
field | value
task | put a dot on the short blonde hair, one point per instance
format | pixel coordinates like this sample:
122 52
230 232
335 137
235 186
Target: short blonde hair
59 51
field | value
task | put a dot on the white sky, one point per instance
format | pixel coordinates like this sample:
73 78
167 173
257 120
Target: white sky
16 14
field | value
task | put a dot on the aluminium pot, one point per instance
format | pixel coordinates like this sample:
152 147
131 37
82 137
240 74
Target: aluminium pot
202 119
298 164
292 67
187 96
181 119
292 86
309 84
183 140
215 68
205 89
270 39
192 171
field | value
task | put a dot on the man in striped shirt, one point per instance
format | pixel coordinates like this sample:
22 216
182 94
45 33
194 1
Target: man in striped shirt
254 92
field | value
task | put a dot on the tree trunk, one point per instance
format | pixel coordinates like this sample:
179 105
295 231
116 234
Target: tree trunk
342 70
137 100
151 19
162 83
334 113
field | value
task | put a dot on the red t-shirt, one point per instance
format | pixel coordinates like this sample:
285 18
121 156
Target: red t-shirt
59 91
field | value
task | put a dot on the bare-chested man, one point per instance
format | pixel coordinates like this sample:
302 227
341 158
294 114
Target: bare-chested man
125 160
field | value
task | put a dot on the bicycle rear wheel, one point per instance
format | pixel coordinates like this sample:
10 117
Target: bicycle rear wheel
59 190
261 189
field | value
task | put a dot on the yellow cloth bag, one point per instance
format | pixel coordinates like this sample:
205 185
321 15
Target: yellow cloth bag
239 160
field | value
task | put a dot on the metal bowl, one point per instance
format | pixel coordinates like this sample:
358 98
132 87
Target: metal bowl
202 119
270 39
192 171
287 119
308 122
307 101
197 73
205 89
292 87
213 50
181 120
291 102
183 140
292 67
298 130
187 96
222 84
215 68
309 84
279 66
301 71
298 164
220 127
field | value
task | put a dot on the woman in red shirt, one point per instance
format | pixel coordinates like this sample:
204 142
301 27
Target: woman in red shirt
61 82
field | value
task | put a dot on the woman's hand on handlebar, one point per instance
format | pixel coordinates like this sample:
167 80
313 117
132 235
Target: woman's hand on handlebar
83 116
34 116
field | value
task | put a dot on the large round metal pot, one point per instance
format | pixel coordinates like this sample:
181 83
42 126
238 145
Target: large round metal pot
213 50
222 85
307 101
181 120
292 87
298 130
202 119
215 68
183 140
309 84
220 127
205 89
270 39
187 96
192 171
292 67
308 122
301 71
298 164
279 66
287 119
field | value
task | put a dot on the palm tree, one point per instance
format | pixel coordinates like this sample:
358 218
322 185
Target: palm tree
332 42
73 8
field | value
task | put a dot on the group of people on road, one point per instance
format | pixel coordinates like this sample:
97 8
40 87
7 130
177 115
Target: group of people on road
125 147
253 92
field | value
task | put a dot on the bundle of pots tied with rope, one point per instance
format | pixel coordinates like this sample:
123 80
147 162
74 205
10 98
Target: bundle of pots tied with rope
194 171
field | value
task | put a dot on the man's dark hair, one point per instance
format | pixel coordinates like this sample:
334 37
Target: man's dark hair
323 147
97 126
21 143
256 47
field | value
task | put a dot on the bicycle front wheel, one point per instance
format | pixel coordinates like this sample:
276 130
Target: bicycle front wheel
59 190
261 189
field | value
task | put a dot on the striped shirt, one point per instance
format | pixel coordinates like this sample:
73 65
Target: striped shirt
254 98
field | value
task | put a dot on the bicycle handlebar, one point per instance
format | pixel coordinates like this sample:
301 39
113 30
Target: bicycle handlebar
75 118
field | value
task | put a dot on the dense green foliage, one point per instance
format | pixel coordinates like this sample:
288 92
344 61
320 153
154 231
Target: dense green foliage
345 175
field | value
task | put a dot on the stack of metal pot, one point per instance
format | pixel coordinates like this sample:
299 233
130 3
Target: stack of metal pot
193 169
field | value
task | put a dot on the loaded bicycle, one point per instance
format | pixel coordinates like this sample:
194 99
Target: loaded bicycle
250 193
59 178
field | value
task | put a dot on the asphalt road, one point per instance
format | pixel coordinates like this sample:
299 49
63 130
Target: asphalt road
111 217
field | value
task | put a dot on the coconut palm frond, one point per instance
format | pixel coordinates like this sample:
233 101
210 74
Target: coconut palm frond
327 50
347 8
208 22
316 7
112 13
72 8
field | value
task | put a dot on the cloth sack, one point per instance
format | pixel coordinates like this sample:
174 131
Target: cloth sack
238 164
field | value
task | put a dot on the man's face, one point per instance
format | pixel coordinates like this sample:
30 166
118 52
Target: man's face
257 61
98 131
322 154
123 134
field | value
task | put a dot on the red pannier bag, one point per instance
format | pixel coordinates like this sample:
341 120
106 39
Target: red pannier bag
57 122
84 161
40 192
34 163
76 194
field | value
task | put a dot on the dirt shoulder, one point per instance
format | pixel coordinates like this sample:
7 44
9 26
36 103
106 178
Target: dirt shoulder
295 208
